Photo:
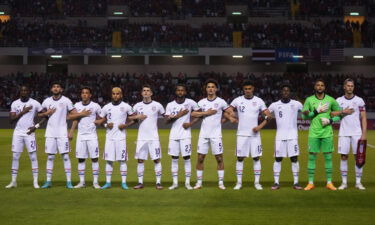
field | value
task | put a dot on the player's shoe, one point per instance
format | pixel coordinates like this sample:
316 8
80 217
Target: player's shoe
138 186
275 186
174 186
11 185
221 186
238 186
80 185
309 187
96 185
359 186
258 186
69 185
158 186
188 186
36 185
106 186
343 186
331 187
124 186
47 184
296 186
198 186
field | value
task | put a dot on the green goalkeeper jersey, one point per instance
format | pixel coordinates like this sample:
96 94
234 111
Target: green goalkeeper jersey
316 129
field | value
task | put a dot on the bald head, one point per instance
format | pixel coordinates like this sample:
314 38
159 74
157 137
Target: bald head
116 94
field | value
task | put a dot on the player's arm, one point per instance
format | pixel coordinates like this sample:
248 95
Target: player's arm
230 115
14 117
137 117
74 115
72 128
170 118
267 117
364 124
127 124
307 114
193 121
46 113
36 126
200 113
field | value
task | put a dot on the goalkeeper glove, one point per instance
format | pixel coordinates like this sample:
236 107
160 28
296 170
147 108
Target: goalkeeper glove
325 121
322 108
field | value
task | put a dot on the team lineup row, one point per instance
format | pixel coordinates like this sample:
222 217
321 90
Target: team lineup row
182 113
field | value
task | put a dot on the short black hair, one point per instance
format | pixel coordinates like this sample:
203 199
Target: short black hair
181 85
212 81
86 88
147 86
248 83
56 83
320 80
286 86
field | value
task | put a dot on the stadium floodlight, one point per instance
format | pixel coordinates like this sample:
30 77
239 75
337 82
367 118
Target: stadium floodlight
236 13
298 56
56 56
358 57
354 13
237 56
116 56
118 13
2 13
177 56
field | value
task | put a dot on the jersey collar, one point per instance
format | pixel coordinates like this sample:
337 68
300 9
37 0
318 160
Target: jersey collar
318 98
146 103
349 98
86 104
212 99
248 98
56 99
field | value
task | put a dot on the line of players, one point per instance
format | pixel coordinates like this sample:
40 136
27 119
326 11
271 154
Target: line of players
182 113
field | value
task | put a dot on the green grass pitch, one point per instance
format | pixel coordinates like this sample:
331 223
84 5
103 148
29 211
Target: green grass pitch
58 205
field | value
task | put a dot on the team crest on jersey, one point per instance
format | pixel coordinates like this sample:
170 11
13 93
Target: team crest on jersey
140 109
153 108
216 105
186 106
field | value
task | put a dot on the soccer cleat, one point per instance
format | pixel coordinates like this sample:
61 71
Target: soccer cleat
296 186
188 186
331 187
124 186
359 186
174 186
343 186
158 186
47 184
80 185
11 185
221 186
36 185
309 187
106 186
69 185
238 186
258 186
138 186
198 186
96 185
276 186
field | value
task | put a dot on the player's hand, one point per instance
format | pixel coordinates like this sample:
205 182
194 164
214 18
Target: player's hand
347 111
31 130
186 125
256 129
325 121
322 107
122 126
233 119
210 112
85 113
110 126
182 113
141 117
50 111
363 137
26 109
70 135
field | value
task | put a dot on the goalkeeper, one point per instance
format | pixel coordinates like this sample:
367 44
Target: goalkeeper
318 108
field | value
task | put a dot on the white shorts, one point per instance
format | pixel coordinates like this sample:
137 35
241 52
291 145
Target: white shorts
249 146
346 141
286 148
18 142
86 148
144 147
115 150
57 145
181 145
216 146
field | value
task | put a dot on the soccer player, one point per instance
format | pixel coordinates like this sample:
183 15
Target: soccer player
114 116
211 110
178 113
56 108
351 131
147 112
317 108
249 142
87 138
286 143
23 112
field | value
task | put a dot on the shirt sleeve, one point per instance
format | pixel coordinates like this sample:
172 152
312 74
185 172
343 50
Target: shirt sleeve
199 105
194 105
168 110
224 105
161 109
262 106
234 103
38 106
98 110
70 105
362 105
130 110
271 108
335 105
299 106
306 105
103 112
44 104
13 108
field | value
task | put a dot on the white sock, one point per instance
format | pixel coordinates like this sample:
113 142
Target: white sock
257 171
108 171
358 174
344 171
34 165
158 172
140 171
50 161
295 171
220 174
187 164
95 171
15 165
123 171
276 171
199 177
81 171
174 169
67 167
239 171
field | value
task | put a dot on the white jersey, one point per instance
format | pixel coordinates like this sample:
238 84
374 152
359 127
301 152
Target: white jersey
27 120
248 112
86 125
177 130
286 115
211 125
56 125
148 128
351 124
117 115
